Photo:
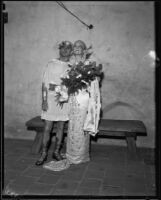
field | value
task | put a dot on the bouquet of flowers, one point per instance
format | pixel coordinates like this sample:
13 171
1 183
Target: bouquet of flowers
80 75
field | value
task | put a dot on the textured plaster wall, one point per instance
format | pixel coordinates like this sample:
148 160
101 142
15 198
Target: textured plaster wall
123 35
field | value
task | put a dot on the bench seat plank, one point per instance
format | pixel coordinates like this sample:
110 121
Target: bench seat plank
122 126
107 127
110 125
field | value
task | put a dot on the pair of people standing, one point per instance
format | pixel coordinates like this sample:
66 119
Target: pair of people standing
82 109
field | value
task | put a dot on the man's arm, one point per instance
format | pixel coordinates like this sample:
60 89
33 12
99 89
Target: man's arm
44 97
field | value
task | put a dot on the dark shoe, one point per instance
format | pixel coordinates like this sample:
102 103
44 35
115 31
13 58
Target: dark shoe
42 159
57 156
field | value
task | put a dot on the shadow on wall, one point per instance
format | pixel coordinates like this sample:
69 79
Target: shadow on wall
122 110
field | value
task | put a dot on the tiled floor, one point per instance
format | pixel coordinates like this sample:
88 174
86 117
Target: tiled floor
111 172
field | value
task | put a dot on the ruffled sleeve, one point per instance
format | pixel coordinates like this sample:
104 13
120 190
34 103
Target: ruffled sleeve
94 106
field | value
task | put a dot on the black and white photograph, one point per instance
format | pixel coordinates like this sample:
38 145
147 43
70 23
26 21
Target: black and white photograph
79 96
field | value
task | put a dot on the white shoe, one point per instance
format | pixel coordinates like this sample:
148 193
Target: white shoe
57 165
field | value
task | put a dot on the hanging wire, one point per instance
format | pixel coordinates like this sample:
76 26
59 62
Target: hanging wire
63 6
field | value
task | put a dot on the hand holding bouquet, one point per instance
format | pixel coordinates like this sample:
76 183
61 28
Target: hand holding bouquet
61 95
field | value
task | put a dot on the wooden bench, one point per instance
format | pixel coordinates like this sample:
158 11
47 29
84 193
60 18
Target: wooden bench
129 129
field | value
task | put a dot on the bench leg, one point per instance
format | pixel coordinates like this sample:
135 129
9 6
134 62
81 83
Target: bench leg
131 144
37 144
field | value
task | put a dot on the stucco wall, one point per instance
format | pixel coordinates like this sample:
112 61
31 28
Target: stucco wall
123 35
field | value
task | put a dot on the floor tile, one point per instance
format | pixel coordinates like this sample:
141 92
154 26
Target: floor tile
101 161
96 174
97 166
135 168
90 183
63 192
66 185
20 150
75 176
113 182
11 174
38 189
135 186
150 169
33 172
16 166
27 161
115 173
32 156
134 193
87 191
10 157
48 179
111 191
24 180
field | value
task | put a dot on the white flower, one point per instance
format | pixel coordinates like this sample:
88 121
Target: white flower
86 62
79 76
57 89
64 96
67 76
84 82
